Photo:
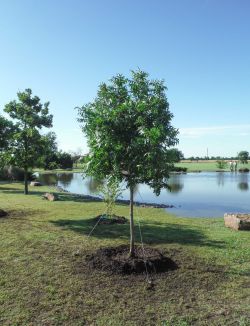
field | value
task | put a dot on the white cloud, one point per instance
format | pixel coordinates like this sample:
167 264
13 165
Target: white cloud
232 130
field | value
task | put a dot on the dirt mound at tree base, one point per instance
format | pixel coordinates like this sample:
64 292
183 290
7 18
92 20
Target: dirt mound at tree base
114 219
117 260
3 213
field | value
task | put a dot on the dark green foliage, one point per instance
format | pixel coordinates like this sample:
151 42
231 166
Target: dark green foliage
64 160
243 157
179 169
244 170
221 164
49 159
6 130
176 155
129 132
27 143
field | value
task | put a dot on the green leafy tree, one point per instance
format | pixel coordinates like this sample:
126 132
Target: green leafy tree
110 190
177 155
243 157
49 159
30 116
64 160
6 130
129 133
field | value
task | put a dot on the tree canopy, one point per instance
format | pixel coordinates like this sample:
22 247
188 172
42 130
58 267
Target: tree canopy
243 157
29 116
129 131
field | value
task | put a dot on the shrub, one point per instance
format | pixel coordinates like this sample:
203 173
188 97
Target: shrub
244 170
221 164
179 169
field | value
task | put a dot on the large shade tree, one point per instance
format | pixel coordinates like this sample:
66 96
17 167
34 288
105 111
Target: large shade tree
30 116
129 133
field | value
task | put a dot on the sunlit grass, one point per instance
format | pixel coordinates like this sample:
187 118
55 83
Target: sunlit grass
44 279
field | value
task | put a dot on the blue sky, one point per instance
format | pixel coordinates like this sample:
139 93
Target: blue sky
63 50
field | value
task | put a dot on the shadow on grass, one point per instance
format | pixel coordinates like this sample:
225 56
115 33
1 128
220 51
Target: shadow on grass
152 233
62 196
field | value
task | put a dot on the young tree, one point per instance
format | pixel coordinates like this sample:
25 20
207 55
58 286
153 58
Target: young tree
221 164
129 133
243 157
30 116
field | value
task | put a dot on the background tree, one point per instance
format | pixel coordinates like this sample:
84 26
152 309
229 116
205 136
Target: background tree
76 155
64 160
6 130
176 154
30 116
49 159
129 133
243 157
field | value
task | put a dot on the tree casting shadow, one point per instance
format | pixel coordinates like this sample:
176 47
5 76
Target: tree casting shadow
155 233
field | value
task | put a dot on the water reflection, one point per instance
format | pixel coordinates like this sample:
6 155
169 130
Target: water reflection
243 184
207 194
65 179
176 187
175 184
220 178
48 179
92 184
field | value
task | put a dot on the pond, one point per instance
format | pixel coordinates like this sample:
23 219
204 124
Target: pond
205 194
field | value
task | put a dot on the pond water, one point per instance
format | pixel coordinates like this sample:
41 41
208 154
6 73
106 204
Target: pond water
205 194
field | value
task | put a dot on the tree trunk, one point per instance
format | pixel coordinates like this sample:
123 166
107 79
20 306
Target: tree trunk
26 181
132 233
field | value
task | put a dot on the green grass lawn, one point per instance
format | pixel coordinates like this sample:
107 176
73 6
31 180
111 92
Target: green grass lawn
192 166
210 166
44 279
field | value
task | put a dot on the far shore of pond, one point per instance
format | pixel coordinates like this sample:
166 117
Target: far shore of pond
192 166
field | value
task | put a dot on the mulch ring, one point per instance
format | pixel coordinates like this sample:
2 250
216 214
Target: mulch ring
114 219
117 260
3 213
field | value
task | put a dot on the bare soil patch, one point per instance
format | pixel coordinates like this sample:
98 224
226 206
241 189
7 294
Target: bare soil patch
3 213
114 219
118 261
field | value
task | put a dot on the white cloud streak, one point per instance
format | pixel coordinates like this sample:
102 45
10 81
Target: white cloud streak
232 130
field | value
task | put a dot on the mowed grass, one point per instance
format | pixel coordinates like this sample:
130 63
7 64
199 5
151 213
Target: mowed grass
44 279
210 166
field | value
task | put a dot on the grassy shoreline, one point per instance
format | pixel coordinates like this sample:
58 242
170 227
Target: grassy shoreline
44 279
192 166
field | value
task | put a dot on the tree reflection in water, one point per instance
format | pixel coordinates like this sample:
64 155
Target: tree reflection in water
243 184
175 185
65 179
220 178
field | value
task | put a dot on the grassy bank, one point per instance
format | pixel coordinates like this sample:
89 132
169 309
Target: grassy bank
192 166
44 279
211 166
